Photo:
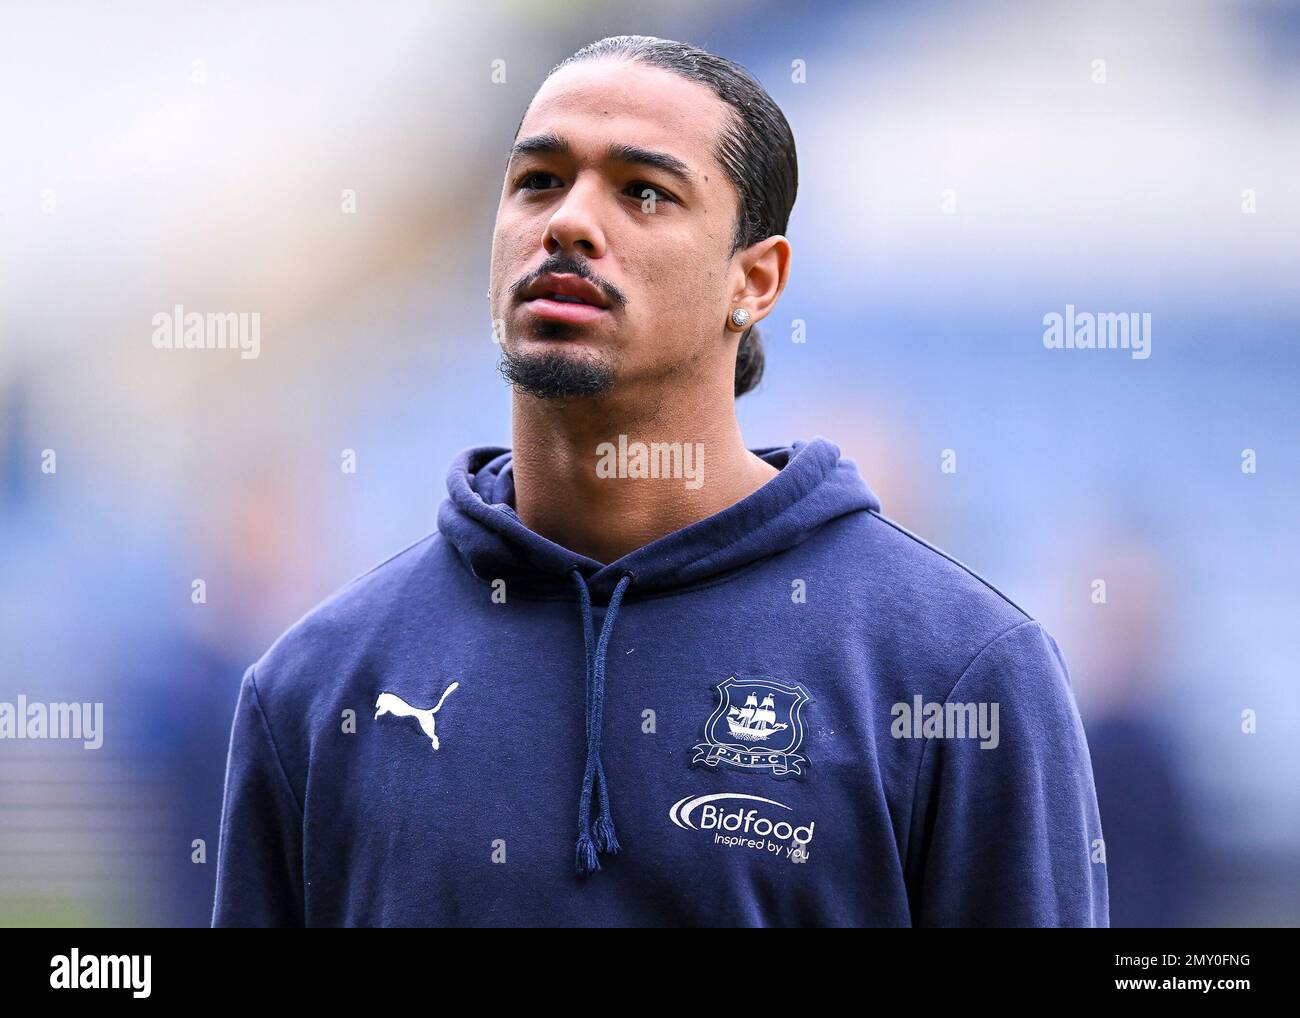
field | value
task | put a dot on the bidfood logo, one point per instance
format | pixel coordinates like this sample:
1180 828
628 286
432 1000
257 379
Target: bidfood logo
735 824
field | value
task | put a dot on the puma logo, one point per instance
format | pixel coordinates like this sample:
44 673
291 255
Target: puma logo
391 703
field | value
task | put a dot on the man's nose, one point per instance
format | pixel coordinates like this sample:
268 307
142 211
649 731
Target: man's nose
575 224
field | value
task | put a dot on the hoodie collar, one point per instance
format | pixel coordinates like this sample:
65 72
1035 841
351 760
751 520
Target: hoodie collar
815 485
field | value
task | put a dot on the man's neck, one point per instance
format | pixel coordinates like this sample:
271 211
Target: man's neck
564 453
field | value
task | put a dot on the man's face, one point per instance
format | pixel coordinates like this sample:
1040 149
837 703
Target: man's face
654 243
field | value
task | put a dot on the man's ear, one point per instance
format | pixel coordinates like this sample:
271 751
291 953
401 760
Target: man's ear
767 269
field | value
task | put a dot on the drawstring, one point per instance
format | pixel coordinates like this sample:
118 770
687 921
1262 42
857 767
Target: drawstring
598 838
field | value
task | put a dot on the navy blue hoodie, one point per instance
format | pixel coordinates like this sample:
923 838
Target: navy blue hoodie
791 713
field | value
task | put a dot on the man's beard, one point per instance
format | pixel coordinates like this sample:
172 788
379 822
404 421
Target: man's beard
549 375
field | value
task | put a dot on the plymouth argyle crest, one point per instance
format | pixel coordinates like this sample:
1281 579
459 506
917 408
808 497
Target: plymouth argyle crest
756 726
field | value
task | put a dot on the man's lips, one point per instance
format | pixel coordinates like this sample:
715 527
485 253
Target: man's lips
565 297
567 286
562 311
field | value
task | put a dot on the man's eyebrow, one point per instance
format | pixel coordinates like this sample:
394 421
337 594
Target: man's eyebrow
674 167
540 144
618 152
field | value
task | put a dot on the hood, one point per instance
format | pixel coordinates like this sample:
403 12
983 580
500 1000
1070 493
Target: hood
814 486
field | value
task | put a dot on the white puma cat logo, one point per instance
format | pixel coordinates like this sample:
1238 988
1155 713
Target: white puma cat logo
391 703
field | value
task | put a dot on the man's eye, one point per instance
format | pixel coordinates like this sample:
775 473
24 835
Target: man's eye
526 180
639 188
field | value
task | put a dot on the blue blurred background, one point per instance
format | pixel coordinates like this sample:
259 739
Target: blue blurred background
965 170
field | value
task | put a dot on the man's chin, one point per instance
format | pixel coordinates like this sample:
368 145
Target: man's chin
555 374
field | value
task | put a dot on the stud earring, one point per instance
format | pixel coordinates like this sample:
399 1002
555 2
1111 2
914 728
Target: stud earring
739 317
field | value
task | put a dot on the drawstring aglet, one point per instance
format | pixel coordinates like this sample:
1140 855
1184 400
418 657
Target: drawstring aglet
602 833
586 861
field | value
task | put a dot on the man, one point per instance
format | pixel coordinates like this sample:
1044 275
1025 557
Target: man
642 675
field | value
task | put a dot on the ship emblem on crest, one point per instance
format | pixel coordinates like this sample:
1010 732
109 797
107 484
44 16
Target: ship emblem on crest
756 726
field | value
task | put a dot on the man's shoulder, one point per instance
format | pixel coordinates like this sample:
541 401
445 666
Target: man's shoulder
932 568
357 619
917 596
